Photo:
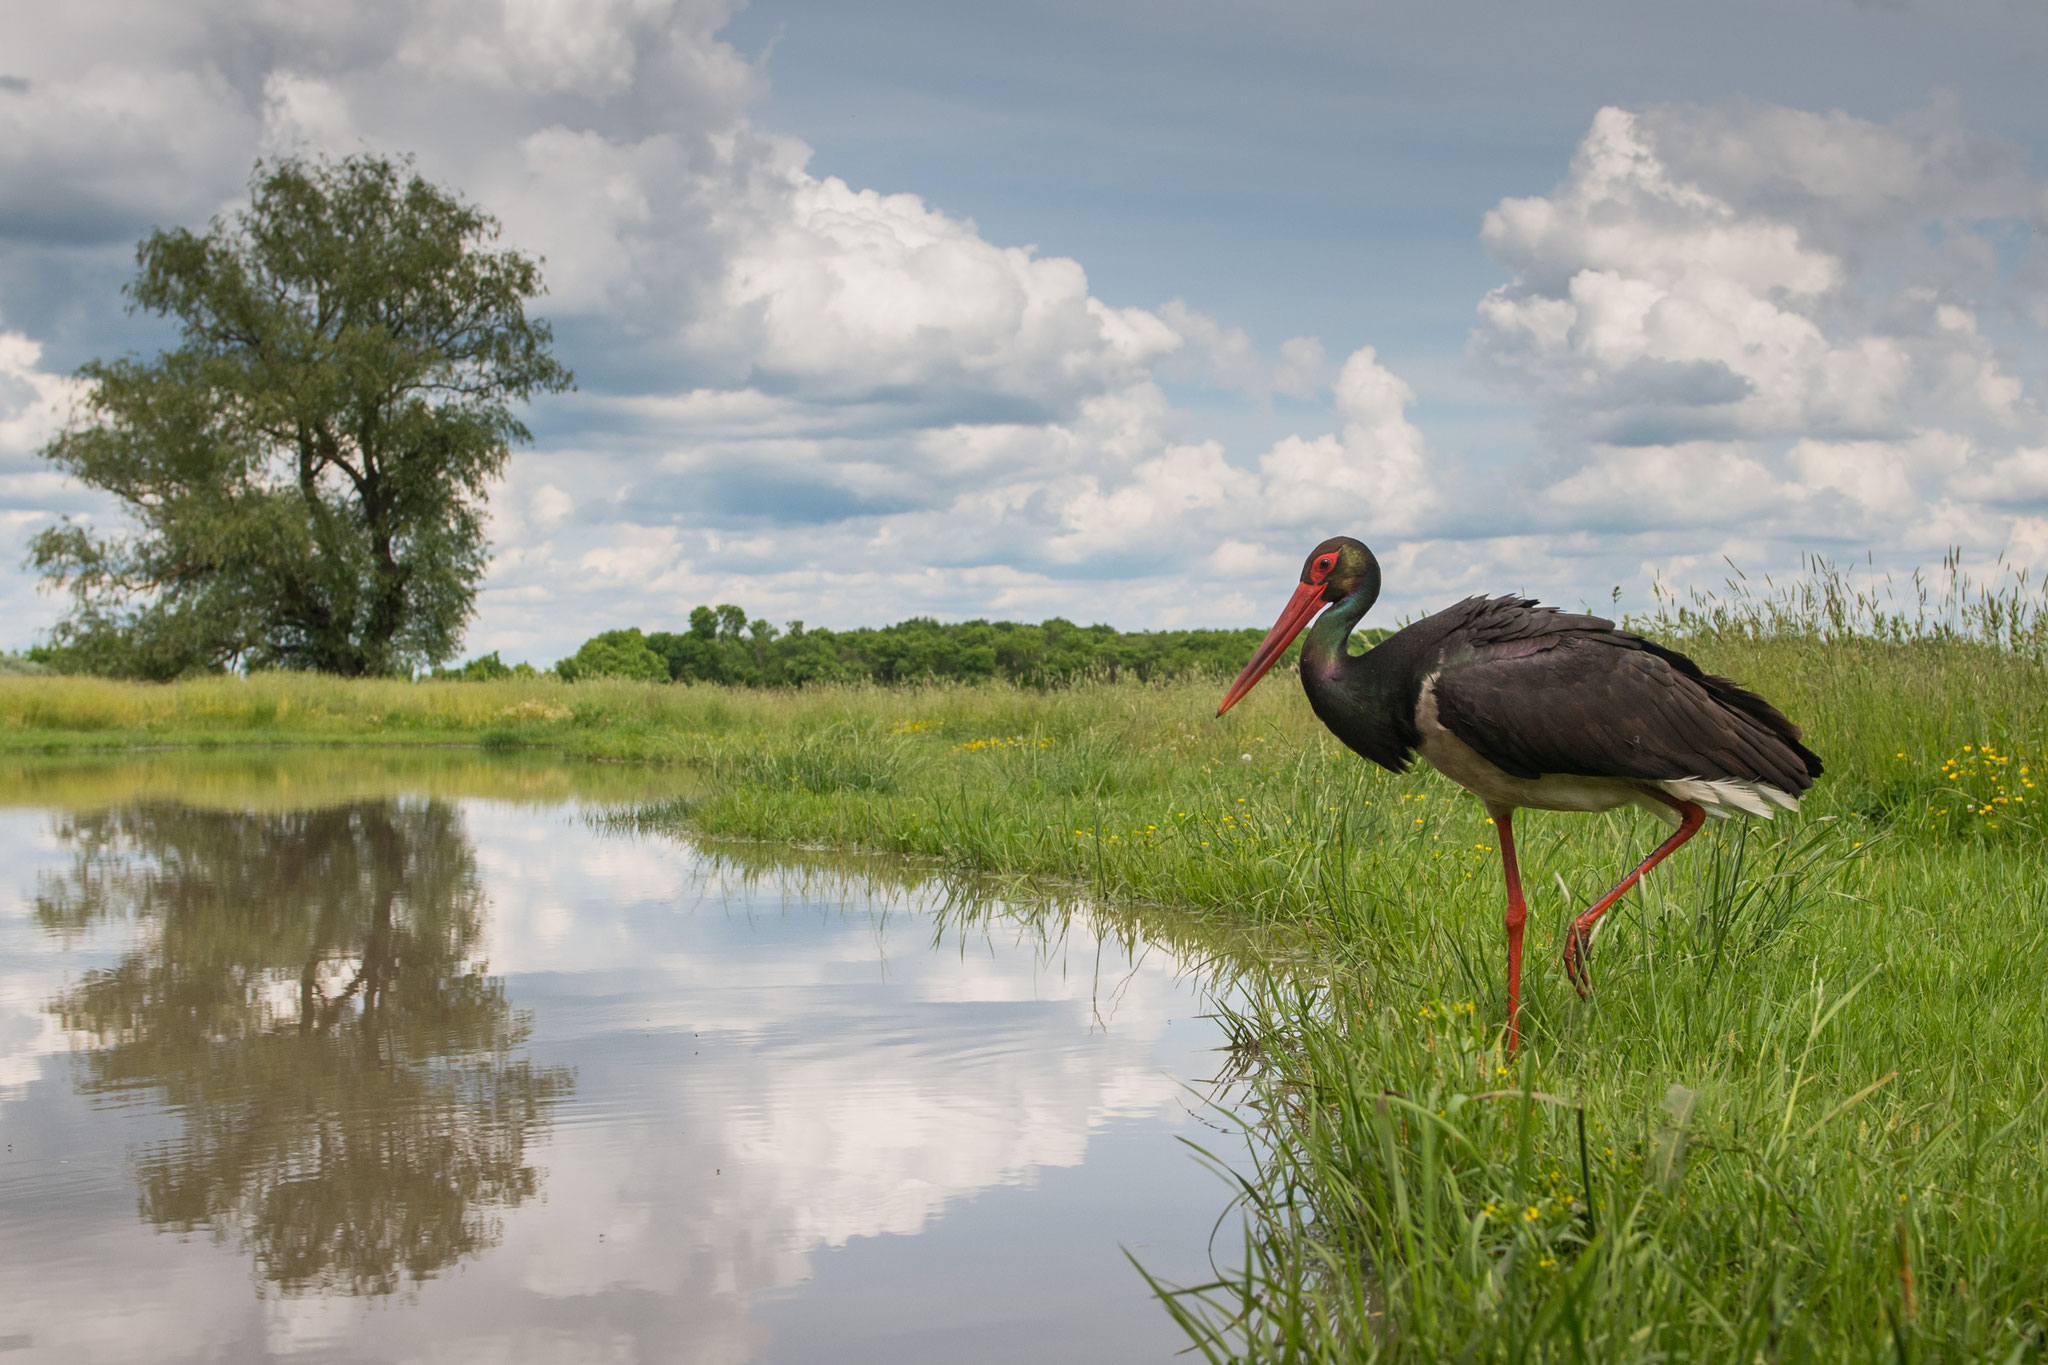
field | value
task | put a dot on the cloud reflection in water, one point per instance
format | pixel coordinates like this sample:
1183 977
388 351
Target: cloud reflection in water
635 1091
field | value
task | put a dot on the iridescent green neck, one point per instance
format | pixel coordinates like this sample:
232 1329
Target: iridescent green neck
1323 647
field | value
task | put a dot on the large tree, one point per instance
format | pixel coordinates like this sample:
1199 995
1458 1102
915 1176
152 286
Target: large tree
305 473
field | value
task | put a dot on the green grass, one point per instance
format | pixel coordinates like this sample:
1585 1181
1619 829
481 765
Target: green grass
601 719
1813 1079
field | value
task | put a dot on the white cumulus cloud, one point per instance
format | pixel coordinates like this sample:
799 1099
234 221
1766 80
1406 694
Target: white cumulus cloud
1772 321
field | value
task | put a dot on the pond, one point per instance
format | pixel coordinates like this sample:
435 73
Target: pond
398 1057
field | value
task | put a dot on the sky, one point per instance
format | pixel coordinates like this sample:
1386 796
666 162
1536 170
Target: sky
1112 310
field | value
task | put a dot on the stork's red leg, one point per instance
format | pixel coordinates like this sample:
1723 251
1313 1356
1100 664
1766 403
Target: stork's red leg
1518 912
1691 817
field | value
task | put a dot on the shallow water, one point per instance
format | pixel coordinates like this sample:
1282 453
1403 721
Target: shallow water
392 1058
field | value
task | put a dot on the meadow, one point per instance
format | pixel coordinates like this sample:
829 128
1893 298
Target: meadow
1803 1116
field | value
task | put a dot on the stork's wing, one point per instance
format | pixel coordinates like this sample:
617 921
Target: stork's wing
1605 703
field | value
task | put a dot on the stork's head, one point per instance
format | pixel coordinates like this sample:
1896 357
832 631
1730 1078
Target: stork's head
1333 571
1339 567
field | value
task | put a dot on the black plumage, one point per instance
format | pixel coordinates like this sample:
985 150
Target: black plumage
1536 691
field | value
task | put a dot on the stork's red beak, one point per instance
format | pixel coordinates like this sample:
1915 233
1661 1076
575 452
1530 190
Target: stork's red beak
1301 609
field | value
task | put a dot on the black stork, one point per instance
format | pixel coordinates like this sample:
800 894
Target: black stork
1523 705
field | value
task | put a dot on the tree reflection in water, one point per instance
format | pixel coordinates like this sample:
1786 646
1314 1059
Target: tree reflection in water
304 992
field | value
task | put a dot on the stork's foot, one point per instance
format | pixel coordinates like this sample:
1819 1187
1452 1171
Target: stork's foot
1576 944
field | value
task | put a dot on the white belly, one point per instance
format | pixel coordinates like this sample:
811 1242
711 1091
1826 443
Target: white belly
1464 765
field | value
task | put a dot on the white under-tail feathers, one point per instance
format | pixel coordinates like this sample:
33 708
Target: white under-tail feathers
1716 795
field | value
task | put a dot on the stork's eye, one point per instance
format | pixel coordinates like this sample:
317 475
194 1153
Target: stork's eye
1324 565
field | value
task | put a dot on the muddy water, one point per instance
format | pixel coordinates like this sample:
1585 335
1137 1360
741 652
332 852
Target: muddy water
398 1058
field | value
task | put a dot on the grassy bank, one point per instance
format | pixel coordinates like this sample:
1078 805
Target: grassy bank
1810 1084
599 719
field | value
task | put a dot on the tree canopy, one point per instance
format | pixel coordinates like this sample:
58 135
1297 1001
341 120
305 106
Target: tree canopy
723 646
614 654
305 473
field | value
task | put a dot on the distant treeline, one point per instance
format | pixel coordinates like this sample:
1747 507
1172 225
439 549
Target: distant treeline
723 646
